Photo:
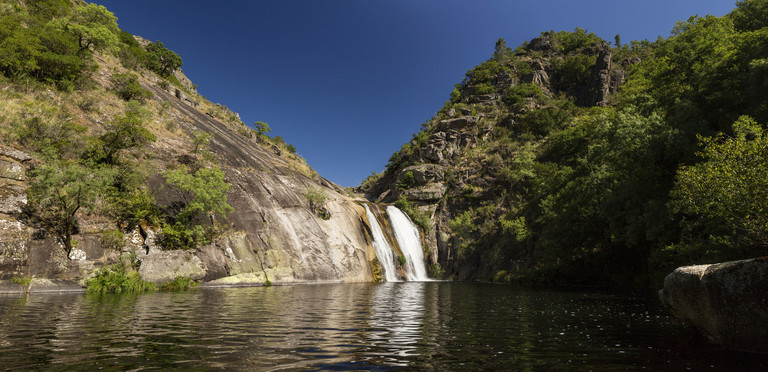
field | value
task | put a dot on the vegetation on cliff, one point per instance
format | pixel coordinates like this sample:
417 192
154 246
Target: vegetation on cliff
567 160
76 95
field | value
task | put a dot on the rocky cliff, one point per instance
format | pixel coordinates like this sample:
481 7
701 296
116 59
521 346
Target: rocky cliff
272 235
457 161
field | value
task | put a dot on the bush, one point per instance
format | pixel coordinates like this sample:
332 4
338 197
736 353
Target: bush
407 181
127 87
161 59
436 271
113 239
573 72
117 279
180 283
484 89
316 199
516 96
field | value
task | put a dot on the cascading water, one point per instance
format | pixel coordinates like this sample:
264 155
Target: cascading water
408 238
383 249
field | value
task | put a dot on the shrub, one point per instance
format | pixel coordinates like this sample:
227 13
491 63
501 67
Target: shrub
516 96
407 181
573 72
127 87
180 283
161 59
484 89
117 279
316 199
112 239
401 260
436 271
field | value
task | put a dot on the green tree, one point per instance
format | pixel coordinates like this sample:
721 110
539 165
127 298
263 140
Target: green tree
59 190
161 59
203 193
730 187
501 51
127 87
92 25
19 47
262 128
125 131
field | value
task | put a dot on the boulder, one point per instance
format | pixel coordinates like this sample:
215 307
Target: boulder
430 192
163 266
426 173
539 44
727 302
11 170
14 154
12 198
456 123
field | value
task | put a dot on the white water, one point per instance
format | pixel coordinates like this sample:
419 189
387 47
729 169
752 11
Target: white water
408 238
383 249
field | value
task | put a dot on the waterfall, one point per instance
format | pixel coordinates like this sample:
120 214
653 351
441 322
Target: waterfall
408 239
382 248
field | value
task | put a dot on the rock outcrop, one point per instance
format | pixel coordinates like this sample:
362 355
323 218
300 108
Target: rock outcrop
728 302
272 236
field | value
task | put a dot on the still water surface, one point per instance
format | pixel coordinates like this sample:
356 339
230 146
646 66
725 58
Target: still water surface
411 325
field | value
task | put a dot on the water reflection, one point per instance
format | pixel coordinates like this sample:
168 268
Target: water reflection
414 325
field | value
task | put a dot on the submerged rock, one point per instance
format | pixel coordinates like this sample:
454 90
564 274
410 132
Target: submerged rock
728 302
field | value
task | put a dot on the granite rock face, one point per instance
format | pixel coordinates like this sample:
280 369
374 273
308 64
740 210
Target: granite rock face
727 302
272 235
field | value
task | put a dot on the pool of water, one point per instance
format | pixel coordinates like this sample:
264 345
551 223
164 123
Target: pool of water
410 325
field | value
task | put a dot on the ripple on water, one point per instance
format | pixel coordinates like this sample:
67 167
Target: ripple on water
428 325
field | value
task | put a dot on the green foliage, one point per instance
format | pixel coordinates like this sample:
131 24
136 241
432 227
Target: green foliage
117 279
113 239
126 131
542 122
573 72
436 271
204 191
179 283
406 181
52 139
181 235
262 128
127 87
578 40
316 199
418 216
463 227
24 281
515 96
93 26
401 260
59 190
727 193
484 89
131 54
501 52
161 59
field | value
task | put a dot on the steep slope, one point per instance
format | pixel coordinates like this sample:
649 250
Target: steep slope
121 120
570 161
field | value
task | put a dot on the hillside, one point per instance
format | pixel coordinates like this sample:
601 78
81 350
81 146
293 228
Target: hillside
111 159
571 161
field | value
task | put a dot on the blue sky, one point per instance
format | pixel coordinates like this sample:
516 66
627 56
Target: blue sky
349 81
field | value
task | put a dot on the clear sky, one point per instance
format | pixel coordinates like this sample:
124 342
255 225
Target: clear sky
349 81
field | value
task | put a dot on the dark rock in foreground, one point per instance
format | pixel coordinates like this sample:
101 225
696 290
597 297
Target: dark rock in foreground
728 302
